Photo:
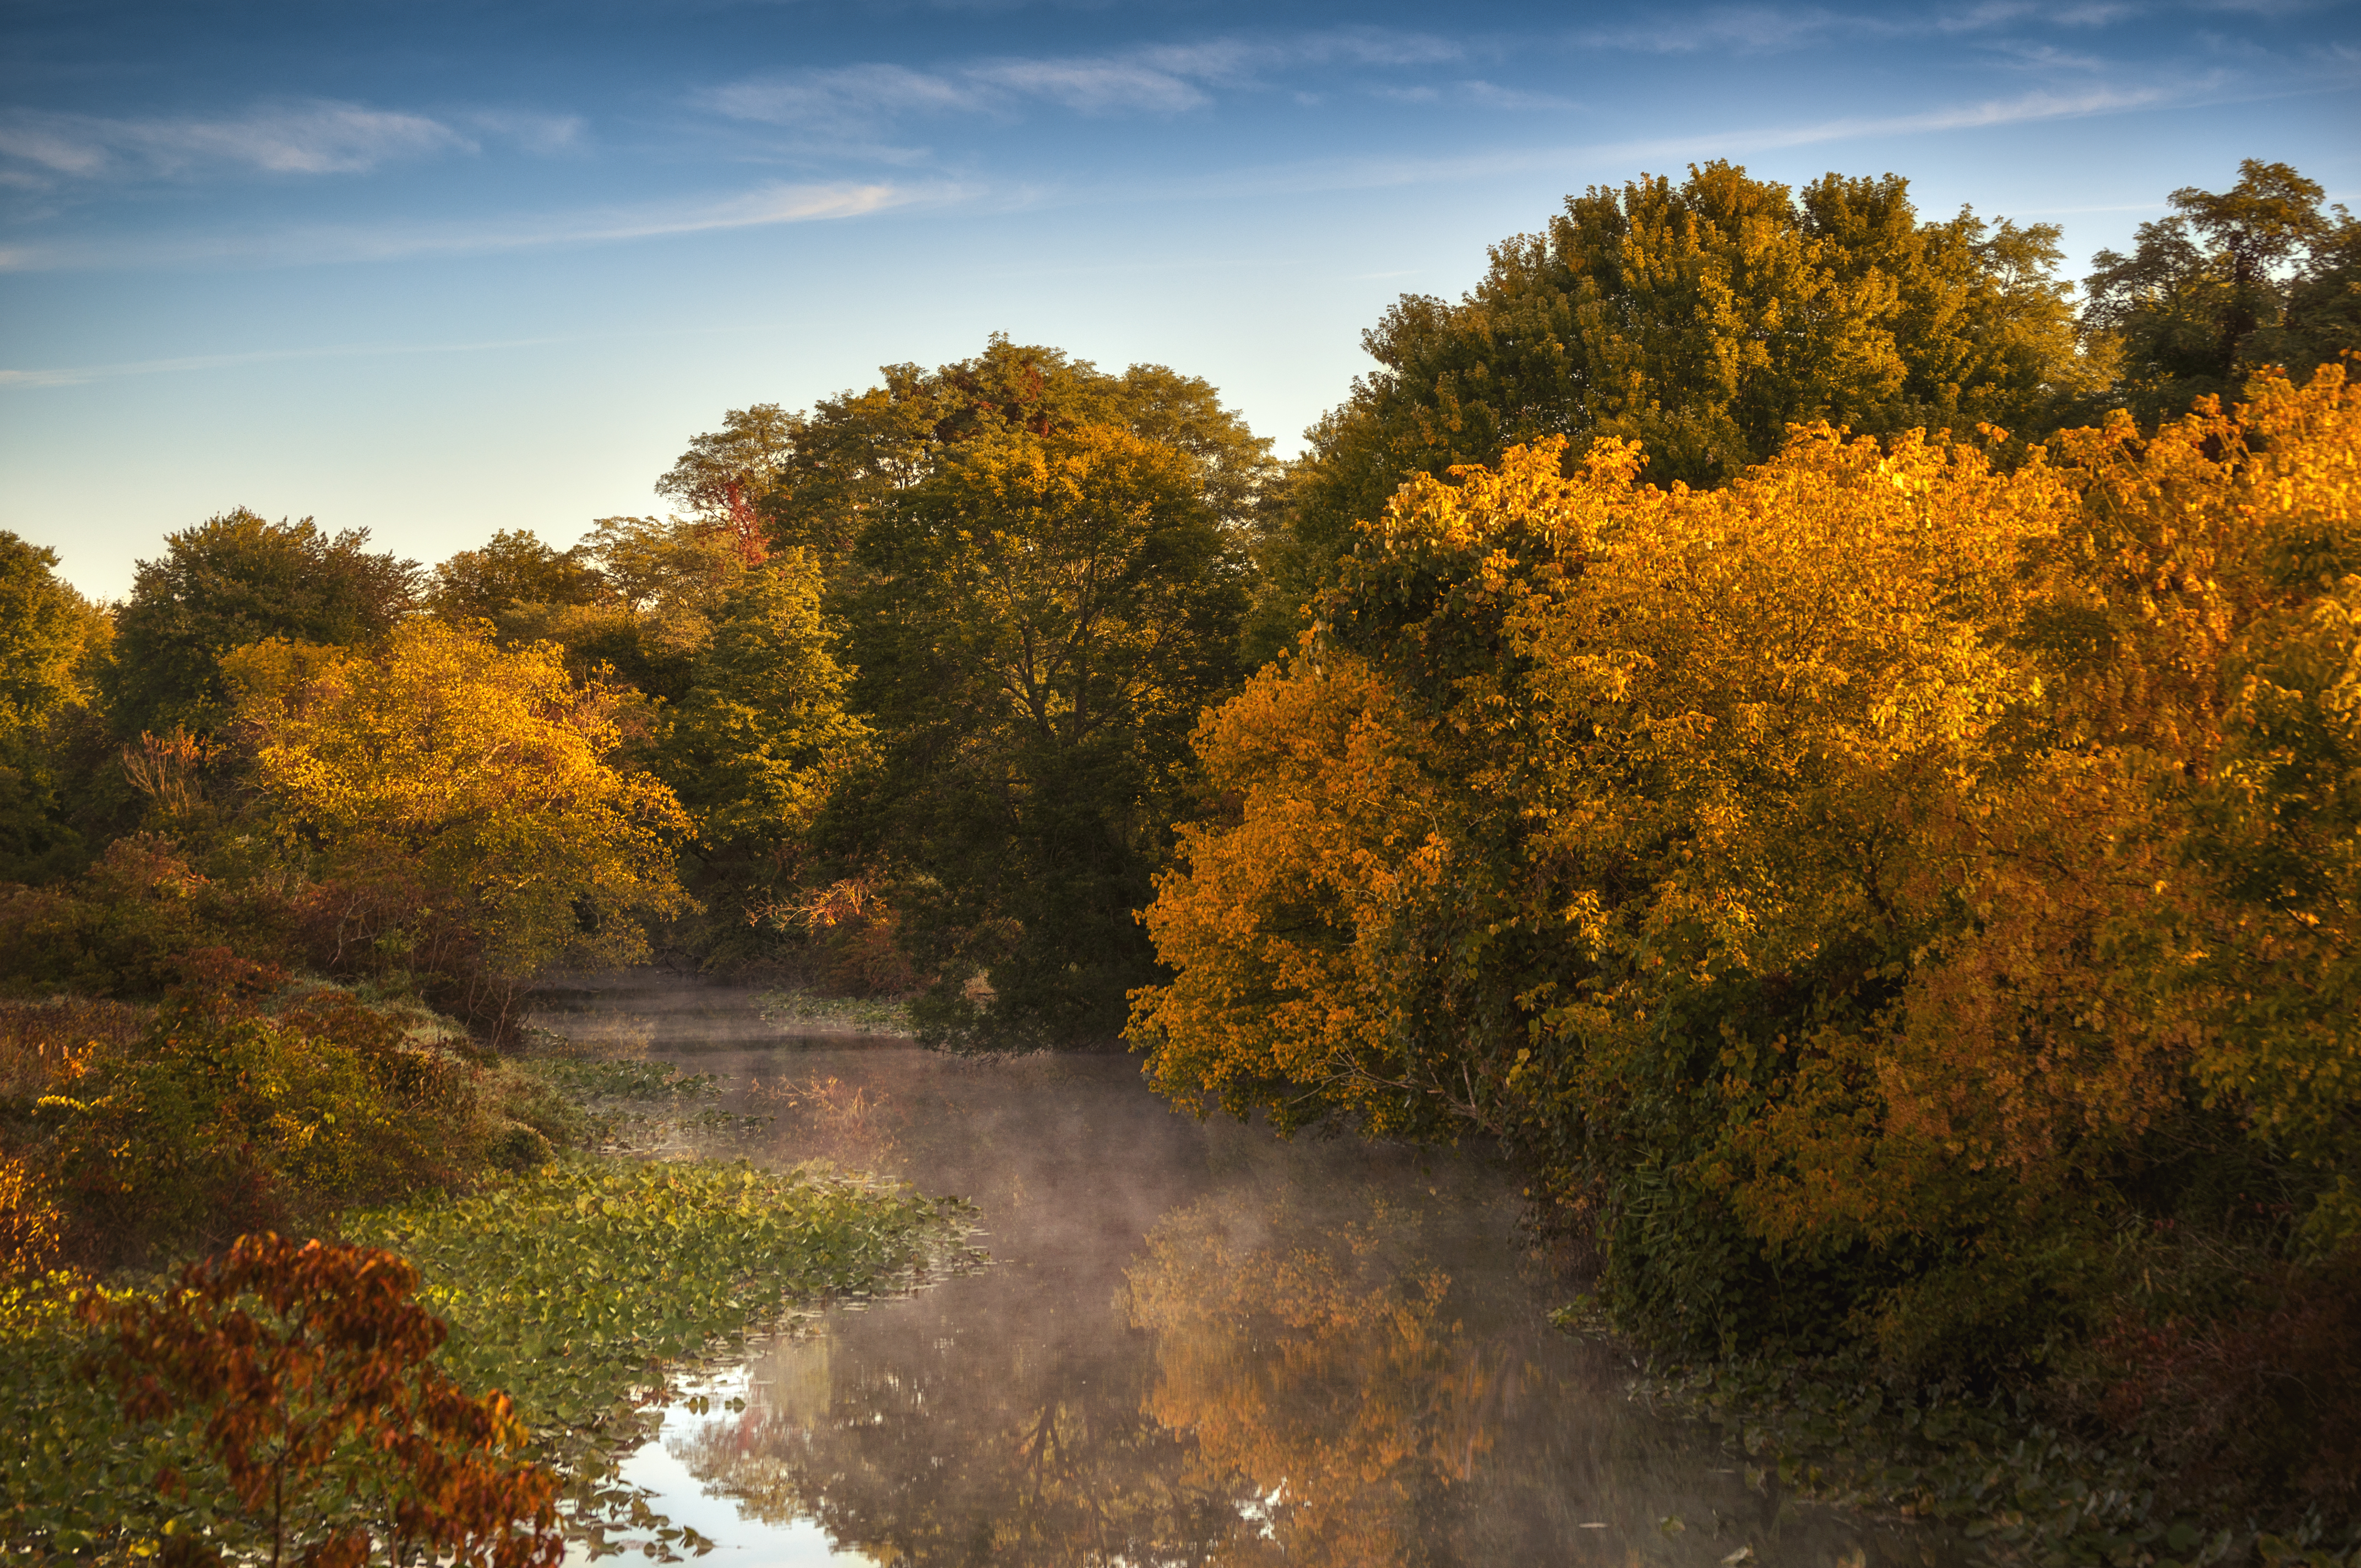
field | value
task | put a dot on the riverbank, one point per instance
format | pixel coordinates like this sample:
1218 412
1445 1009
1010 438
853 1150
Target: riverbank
579 1283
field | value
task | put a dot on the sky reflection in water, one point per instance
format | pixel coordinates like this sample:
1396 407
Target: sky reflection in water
1196 1345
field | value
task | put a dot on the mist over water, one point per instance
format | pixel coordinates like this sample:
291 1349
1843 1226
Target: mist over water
1195 1344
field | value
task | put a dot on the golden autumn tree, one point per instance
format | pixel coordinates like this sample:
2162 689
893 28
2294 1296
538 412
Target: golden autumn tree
486 773
1862 890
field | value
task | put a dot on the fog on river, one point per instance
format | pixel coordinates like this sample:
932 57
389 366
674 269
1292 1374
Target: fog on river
1194 1344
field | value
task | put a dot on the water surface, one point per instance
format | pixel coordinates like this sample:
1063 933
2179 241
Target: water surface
1195 1344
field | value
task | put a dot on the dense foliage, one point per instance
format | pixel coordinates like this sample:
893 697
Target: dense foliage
306 1370
459 783
2256 275
231 581
1899 904
55 642
1698 319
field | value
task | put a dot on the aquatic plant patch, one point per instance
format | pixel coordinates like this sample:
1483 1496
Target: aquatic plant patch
641 1109
583 1289
74 1474
790 1008
2019 1489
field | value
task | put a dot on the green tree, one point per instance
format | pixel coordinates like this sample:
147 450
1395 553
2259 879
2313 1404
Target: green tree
637 599
51 639
1037 624
515 568
2259 274
1700 319
854 454
763 735
232 581
725 473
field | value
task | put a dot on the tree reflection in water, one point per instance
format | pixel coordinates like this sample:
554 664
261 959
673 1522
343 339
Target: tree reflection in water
1320 1360
1197 1345
1303 1384
942 1455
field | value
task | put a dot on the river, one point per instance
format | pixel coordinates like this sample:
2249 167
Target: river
1194 1344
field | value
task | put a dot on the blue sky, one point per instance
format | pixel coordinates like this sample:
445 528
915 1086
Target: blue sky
434 269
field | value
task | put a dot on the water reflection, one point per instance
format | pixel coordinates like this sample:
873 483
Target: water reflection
1196 1345
1318 1353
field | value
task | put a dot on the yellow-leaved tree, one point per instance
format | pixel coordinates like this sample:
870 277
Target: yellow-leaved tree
1895 900
485 775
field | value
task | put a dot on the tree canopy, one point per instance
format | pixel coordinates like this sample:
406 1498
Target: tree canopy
513 569
853 453
2260 274
1864 887
763 738
51 642
232 581
1699 319
1036 624
483 773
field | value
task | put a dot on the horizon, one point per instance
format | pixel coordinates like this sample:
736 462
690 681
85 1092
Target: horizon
434 272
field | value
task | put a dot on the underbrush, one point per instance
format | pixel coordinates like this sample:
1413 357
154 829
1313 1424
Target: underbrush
2017 1478
242 1105
142 919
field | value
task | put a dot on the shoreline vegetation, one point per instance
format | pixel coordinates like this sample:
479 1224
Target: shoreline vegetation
571 1277
1834 752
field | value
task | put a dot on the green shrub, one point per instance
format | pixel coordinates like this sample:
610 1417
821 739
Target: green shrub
222 1118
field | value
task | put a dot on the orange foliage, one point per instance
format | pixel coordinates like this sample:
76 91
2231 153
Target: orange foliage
1879 862
309 1365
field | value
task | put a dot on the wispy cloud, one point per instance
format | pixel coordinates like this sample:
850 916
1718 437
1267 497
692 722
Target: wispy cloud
1156 79
1773 29
1492 95
1666 154
316 137
83 375
1983 114
1993 13
764 207
1752 30
543 134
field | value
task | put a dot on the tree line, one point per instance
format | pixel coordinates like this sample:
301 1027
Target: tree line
1837 758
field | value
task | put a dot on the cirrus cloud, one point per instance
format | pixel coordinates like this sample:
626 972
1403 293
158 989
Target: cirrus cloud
318 136
1156 79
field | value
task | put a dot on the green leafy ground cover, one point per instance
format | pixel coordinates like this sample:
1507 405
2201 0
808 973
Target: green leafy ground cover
584 1287
75 1477
2019 1488
796 1009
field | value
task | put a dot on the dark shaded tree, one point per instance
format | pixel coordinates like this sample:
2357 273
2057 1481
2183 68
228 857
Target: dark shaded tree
2260 274
233 581
1042 591
50 638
